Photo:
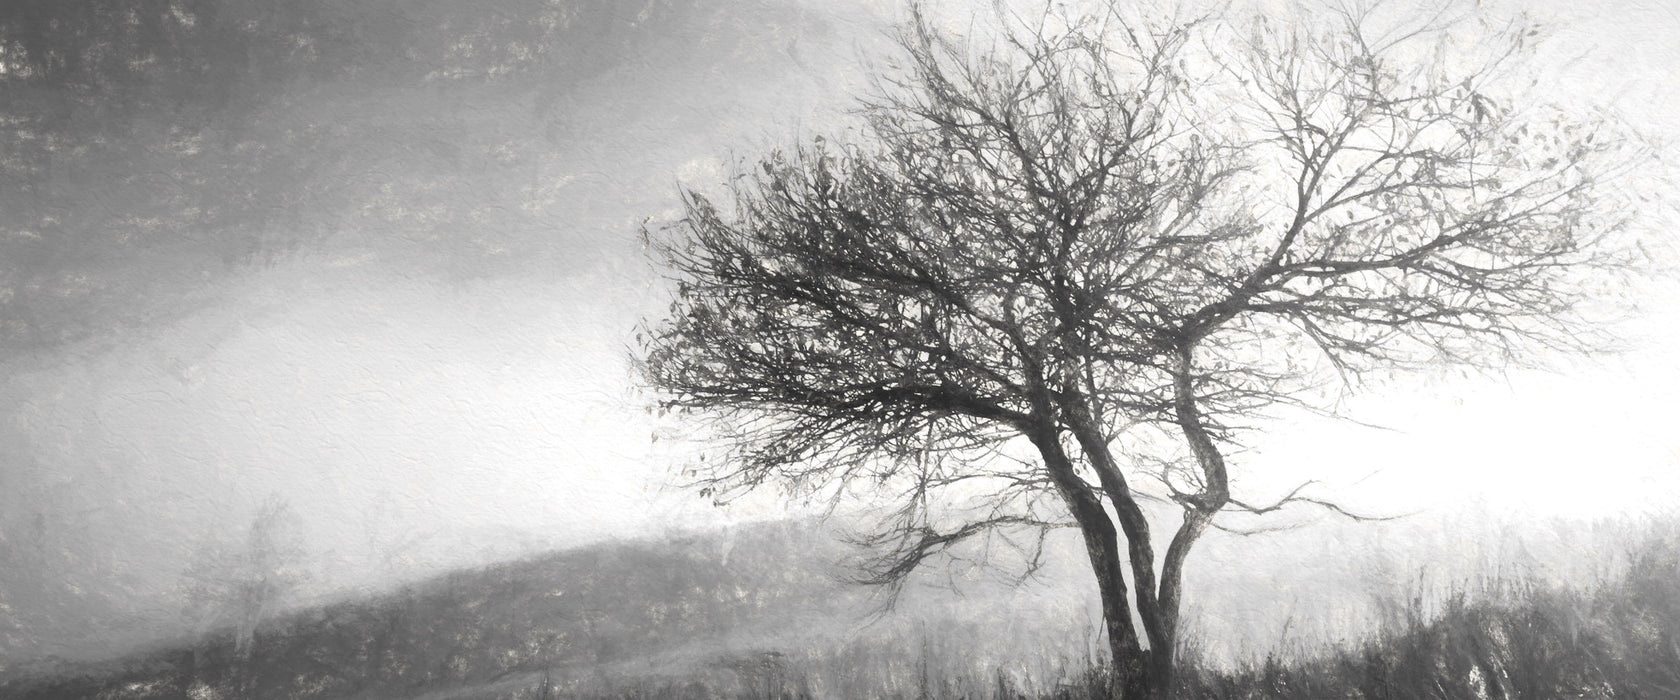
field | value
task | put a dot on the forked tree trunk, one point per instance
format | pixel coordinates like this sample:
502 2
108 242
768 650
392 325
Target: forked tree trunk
1139 673
1131 663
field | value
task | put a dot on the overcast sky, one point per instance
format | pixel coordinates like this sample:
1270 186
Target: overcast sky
378 260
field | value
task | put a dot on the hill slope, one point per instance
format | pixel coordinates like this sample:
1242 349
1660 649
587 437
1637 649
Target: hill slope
724 612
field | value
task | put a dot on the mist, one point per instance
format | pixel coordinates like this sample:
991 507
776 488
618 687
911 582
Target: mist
379 264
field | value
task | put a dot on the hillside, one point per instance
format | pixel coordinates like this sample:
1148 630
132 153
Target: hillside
724 612
761 612
579 609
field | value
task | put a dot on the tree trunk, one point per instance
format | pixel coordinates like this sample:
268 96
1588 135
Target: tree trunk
1199 511
1130 661
1131 677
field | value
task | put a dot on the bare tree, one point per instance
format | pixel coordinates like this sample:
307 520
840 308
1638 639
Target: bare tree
1060 273
242 585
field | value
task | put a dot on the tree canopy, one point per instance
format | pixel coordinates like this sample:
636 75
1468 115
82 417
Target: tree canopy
1063 269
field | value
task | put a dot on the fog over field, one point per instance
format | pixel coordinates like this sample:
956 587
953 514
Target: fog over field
368 271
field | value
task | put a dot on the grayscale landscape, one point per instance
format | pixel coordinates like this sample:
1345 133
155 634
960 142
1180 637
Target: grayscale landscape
852 349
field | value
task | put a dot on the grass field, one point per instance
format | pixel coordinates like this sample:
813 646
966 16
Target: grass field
766 616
